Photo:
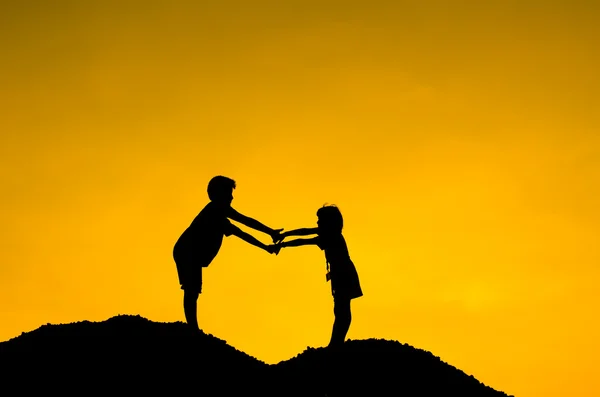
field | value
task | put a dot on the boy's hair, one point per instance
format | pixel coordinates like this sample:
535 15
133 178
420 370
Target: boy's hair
332 216
219 185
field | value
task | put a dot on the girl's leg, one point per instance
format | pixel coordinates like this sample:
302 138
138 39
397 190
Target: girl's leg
343 318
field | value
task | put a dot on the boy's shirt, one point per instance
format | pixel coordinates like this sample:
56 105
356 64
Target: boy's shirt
203 238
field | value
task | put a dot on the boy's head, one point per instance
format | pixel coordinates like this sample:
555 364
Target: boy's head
330 219
220 189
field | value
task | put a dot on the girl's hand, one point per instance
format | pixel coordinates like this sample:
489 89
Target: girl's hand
277 236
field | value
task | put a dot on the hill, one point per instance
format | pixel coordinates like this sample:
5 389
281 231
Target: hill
130 354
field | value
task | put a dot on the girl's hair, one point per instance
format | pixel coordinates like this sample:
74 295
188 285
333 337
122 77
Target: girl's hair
332 217
218 186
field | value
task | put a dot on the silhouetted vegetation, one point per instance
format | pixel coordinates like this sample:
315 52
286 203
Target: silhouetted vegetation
130 354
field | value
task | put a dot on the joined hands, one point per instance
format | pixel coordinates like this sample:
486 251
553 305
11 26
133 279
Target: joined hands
277 237
274 248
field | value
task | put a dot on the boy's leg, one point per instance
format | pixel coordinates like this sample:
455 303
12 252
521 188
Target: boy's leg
190 304
341 325
192 289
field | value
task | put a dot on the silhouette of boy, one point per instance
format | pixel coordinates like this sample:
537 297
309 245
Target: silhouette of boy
345 284
200 243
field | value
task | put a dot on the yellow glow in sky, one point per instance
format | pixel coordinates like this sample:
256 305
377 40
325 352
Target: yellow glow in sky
459 139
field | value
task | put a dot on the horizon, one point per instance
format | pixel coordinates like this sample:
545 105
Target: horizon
459 140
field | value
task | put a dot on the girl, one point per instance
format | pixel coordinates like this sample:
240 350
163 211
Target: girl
345 285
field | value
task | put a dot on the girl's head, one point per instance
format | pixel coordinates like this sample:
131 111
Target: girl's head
330 219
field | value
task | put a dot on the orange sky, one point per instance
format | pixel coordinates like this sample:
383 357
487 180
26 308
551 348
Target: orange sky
459 139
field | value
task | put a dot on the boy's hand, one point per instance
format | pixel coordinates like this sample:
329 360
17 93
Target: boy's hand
274 248
277 236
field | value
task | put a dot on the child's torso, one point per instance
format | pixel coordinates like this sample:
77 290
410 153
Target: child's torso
336 253
206 231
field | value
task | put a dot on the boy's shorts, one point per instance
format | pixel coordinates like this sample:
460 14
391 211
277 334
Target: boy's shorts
190 275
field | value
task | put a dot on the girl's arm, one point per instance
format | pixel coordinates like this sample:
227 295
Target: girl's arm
300 242
300 232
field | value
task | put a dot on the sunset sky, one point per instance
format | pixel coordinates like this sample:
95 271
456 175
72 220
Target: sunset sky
460 139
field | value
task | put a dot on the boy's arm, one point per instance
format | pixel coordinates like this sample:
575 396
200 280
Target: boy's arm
253 223
236 231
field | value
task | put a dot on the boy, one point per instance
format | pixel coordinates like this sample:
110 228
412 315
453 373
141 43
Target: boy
201 241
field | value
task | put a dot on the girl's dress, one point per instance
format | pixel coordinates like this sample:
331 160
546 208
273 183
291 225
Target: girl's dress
344 277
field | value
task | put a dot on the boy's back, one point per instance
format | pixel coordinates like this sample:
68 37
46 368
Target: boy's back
202 240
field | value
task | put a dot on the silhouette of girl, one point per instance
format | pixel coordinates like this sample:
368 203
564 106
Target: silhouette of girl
345 284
